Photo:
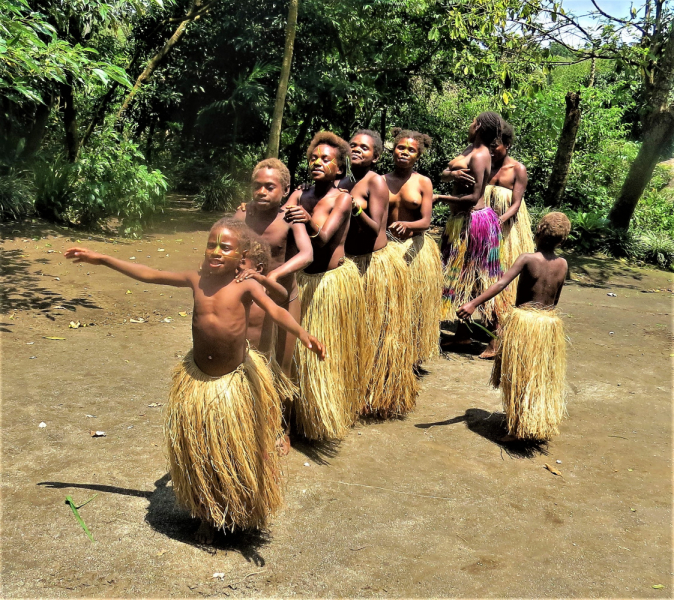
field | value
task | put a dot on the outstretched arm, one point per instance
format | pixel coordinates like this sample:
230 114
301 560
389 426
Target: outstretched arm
133 270
465 311
519 188
285 320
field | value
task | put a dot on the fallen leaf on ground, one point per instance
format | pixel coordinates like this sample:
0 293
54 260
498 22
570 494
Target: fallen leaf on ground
553 470
658 586
137 320
74 325
168 320
97 433
91 416
633 509
155 404
129 292
43 424
161 552
52 337
160 250
182 313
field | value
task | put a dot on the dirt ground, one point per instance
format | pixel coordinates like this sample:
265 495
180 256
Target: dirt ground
427 506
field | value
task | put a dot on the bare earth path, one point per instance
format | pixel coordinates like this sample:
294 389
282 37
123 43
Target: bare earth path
426 506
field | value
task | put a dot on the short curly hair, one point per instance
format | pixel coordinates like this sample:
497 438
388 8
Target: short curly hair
424 141
330 139
243 233
491 125
378 146
276 165
553 229
259 252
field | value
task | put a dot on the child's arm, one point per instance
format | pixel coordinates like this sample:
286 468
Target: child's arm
139 272
284 319
303 258
465 311
275 290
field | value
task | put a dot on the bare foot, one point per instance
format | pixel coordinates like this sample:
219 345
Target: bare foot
507 438
205 534
283 445
488 353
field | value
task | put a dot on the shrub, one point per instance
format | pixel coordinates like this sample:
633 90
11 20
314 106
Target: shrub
16 195
658 248
113 182
223 195
54 189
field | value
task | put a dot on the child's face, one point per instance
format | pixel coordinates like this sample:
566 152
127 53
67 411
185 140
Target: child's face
222 254
268 191
323 163
498 150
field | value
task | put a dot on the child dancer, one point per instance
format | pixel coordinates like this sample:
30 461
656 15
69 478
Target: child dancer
530 364
223 414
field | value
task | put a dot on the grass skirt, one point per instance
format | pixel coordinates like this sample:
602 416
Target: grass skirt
332 391
530 369
392 387
422 256
220 434
471 262
516 236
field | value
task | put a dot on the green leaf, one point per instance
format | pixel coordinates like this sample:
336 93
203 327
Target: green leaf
83 525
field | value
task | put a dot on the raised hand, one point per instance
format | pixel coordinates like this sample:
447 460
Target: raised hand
84 255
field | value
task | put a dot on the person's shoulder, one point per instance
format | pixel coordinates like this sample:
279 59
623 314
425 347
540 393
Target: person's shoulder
519 168
240 214
421 178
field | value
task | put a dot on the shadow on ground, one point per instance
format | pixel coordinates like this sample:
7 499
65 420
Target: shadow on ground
23 289
492 426
165 516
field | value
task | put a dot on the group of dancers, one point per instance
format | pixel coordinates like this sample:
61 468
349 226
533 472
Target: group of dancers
312 311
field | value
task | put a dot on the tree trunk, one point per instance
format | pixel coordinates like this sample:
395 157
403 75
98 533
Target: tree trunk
197 8
295 150
277 118
36 134
567 142
70 121
657 138
382 124
149 141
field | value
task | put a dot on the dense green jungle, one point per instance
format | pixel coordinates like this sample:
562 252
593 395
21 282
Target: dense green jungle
106 107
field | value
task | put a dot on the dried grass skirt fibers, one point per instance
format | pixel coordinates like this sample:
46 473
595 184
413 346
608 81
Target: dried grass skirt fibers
530 369
221 435
471 262
422 256
516 236
388 358
331 391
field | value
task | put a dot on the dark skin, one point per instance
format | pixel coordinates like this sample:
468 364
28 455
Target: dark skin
221 303
410 194
510 174
542 275
324 210
291 251
469 173
369 199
